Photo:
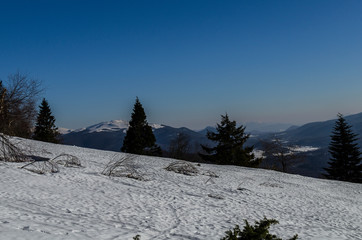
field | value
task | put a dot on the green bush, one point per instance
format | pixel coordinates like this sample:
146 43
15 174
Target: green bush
260 231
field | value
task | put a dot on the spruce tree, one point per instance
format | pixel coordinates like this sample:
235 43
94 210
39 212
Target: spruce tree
139 138
45 129
230 145
345 162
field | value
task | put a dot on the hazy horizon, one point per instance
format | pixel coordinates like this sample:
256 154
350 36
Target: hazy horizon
251 125
188 61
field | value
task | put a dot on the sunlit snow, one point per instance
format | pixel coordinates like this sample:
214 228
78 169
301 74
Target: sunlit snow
81 203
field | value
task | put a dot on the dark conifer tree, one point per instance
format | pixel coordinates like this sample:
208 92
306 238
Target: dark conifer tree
345 162
45 129
139 138
230 145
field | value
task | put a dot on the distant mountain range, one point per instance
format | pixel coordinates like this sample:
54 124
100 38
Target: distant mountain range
314 136
317 135
109 135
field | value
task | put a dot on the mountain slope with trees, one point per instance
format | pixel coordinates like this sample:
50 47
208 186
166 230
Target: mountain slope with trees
318 133
109 136
104 138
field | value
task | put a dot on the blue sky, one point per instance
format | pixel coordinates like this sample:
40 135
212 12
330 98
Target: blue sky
188 61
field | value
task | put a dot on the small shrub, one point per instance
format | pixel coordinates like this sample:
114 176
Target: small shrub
137 237
182 167
260 231
67 160
123 167
42 167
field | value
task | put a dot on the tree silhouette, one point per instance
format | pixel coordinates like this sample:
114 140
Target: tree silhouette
345 162
139 138
230 145
280 155
45 129
179 146
19 95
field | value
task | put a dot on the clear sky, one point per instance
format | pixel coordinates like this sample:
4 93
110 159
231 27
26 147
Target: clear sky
188 61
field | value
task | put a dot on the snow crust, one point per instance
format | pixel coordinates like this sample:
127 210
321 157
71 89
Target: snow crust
80 203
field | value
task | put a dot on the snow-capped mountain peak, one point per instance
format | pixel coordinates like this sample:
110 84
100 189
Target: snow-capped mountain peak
64 130
109 126
113 125
156 126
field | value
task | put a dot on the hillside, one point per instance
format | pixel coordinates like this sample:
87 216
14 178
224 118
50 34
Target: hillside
318 133
81 203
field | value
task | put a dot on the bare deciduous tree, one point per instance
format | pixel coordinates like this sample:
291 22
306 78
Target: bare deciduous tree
179 146
18 104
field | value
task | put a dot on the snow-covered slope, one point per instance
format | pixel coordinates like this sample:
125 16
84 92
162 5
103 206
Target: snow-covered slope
113 125
80 203
109 126
64 130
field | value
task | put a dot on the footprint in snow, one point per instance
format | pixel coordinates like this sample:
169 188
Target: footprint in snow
26 228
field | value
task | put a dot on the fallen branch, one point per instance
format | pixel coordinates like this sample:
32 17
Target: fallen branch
9 152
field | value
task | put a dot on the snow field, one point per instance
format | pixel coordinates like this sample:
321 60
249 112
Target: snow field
80 203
